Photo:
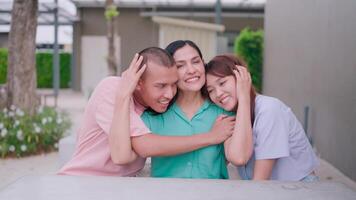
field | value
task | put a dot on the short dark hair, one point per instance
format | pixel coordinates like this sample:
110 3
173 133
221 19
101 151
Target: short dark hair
156 55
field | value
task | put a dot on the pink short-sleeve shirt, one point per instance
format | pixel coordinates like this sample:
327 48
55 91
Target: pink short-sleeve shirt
92 153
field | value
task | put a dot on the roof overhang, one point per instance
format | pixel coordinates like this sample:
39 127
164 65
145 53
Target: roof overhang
188 23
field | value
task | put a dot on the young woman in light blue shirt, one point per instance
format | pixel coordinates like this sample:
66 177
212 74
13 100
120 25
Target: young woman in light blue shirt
281 148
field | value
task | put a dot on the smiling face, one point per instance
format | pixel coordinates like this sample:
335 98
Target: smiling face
222 91
191 70
158 86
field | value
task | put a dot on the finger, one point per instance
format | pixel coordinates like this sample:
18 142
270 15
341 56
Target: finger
237 74
231 132
140 71
134 60
138 64
231 118
224 116
219 118
242 71
249 77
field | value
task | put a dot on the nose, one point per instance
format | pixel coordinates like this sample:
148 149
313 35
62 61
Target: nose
170 92
218 93
190 69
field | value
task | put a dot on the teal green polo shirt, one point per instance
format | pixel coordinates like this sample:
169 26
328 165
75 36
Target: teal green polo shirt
207 162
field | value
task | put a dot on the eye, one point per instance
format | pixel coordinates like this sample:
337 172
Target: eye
210 90
180 64
196 61
160 86
222 83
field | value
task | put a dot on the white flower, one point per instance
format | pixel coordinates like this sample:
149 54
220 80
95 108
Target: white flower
11 114
1 125
3 132
37 129
12 148
19 135
49 119
23 147
44 120
59 120
17 122
5 110
40 109
12 107
19 112
56 145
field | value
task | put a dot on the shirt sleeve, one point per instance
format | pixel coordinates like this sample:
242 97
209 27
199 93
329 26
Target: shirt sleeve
137 126
271 133
145 117
105 111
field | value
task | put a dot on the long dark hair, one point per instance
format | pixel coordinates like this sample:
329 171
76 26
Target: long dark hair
223 65
175 45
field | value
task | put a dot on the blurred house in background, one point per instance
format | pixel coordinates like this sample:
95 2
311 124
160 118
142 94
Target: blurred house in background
144 23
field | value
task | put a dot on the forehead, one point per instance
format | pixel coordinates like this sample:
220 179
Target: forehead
211 79
185 53
158 73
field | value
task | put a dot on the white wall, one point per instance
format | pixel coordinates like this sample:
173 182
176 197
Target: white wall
203 34
310 60
93 61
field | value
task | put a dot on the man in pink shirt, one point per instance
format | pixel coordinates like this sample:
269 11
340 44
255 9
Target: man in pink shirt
112 118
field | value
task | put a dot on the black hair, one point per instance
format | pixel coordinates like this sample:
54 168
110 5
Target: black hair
174 46
156 55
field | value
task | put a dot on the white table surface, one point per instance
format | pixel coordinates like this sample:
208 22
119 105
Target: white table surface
55 187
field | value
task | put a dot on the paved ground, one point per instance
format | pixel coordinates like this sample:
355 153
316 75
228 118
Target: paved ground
12 169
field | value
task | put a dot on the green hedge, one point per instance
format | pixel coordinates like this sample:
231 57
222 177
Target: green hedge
249 46
3 65
44 69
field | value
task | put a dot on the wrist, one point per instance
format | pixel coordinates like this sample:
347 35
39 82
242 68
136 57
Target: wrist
123 96
210 138
244 98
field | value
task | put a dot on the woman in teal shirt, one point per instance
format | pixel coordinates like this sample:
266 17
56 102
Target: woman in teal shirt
192 113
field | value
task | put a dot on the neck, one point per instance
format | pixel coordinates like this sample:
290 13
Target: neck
190 102
138 99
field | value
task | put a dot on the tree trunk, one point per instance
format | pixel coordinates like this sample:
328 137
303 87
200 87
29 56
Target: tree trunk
21 75
111 59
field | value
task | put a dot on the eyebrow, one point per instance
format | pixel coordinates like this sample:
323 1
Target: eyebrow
195 57
190 59
217 80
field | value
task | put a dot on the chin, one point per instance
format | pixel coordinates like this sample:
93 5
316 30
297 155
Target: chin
160 109
194 88
227 107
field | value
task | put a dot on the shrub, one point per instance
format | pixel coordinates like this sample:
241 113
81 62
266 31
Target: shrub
22 134
3 65
249 46
45 71
43 67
